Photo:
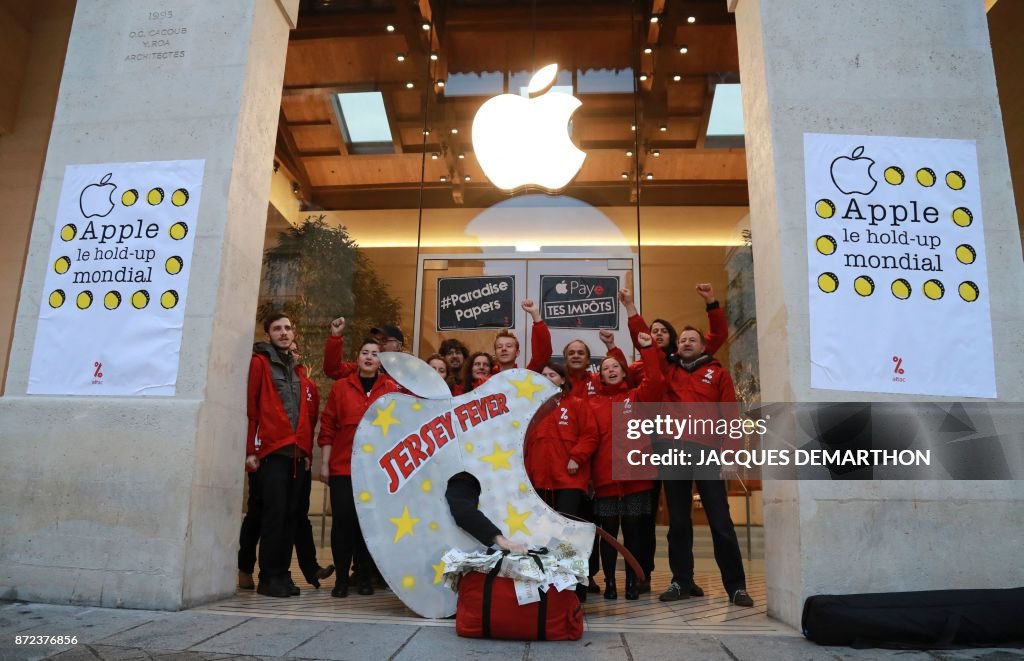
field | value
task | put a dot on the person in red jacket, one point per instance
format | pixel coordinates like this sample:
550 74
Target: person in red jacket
559 447
282 406
349 399
475 372
625 501
506 344
697 377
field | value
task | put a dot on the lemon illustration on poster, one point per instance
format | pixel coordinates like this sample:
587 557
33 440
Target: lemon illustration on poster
407 447
114 298
897 275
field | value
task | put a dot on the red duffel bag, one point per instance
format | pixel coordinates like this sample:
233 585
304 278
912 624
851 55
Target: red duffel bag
488 608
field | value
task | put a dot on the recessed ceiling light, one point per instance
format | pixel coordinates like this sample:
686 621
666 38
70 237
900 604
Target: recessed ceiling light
426 131
400 57
434 156
390 28
655 19
624 175
433 56
656 153
662 128
691 19
462 156
425 26
409 85
440 83
629 153
466 178
443 178
684 49
633 127
677 78
650 175
648 50
643 77
455 131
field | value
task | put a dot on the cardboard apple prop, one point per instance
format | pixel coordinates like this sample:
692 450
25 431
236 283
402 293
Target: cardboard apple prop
520 142
407 447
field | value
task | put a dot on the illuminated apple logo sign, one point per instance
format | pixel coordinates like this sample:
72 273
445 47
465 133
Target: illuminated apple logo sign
407 447
521 142
852 174
97 199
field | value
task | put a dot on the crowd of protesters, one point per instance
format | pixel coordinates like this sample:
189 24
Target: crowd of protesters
567 451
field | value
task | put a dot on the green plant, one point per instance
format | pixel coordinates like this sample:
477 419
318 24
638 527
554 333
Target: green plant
316 273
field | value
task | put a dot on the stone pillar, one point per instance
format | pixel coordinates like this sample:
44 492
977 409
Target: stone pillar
135 502
920 68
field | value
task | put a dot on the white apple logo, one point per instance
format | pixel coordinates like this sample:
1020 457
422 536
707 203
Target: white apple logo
97 199
519 142
560 288
853 175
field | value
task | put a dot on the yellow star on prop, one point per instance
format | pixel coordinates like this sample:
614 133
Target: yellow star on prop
438 572
403 525
385 419
498 458
517 521
416 406
515 424
526 388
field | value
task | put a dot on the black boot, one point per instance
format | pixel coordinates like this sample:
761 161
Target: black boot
632 590
610 591
365 586
275 586
581 592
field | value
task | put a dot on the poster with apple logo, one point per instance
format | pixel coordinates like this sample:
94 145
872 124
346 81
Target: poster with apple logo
897 276
579 301
112 307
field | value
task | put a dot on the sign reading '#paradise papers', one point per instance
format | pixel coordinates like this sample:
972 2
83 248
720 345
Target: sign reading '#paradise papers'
111 313
898 282
476 302
580 301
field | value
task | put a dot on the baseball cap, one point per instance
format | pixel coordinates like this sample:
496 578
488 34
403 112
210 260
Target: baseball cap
389 330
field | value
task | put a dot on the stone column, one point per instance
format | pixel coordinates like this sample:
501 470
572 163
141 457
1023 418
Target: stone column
135 502
920 68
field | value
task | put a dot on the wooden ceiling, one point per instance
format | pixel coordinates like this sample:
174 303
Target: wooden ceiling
345 45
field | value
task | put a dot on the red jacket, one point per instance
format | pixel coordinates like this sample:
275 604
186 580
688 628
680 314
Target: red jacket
268 420
566 432
345 408
651 389
718 332
335 367
708 383
540 343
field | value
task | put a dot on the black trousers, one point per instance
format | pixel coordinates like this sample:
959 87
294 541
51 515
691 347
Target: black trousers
249 536
280 481
346 538
566 501
714 497
634 537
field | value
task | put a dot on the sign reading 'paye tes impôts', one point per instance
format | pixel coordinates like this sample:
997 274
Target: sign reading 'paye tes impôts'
580 301
111 313
898 282
476 302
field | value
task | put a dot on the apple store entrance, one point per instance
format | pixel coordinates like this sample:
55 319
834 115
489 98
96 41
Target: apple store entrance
438 165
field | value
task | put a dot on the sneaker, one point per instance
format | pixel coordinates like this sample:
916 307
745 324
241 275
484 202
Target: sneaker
741 598
245 581
674 593
696 590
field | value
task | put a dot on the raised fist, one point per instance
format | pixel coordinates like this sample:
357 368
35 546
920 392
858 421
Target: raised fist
644 340
338 326
608 337
706 292
625 296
